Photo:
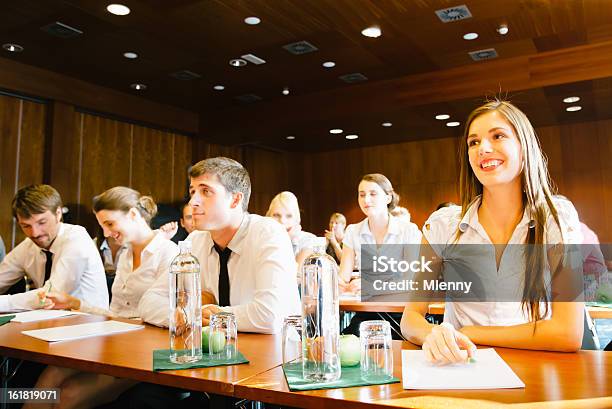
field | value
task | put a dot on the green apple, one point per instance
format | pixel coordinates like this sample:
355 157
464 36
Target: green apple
216 340
604 293
350 350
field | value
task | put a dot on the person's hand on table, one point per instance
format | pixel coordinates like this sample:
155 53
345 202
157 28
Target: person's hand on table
444 345
207 312
208 298
355 286
58 301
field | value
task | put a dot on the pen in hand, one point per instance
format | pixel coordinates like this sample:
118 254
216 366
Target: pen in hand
42 295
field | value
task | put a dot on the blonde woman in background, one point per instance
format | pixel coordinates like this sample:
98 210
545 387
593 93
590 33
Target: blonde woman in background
284 209
335 236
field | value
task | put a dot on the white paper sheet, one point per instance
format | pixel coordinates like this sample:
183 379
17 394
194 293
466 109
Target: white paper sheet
42 315
79 331
489 371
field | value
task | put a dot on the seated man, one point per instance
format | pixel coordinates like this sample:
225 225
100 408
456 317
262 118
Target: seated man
246 260
55 256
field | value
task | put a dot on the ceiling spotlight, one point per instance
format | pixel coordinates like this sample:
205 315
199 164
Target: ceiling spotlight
118 9
252 21
138 87
130 55
218 87
442 117
14 48
352 136
290 137
329 64
372 32
573 108
571 100
502 29
453 124
237 62
470 36
335 131
387 124
286 91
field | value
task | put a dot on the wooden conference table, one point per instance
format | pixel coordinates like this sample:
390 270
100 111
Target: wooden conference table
548 376
434 308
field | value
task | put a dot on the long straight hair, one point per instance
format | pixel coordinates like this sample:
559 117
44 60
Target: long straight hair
537 198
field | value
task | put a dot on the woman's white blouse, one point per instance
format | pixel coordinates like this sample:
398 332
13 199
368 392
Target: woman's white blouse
129 284
399 232
440 230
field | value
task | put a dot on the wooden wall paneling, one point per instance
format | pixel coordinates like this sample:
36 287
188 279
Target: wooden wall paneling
62 164
152 163
183 146
31 152
10 109
105 161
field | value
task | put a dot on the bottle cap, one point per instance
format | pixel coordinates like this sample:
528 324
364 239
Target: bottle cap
318 242
185 245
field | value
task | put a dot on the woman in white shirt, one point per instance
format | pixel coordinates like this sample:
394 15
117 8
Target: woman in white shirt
124 215
376 199
506 204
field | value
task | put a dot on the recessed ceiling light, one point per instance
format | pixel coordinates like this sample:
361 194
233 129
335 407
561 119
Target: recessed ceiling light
387 124
442 117
14 48
138 87
252 21
218 87
573 108
453 124
352 136
372 32
290 137
502 29
571 100
286 91
335 131
130 55
118 9
237 62
329 64
470 36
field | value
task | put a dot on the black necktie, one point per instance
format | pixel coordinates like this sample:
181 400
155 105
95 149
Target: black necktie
224 284
48 264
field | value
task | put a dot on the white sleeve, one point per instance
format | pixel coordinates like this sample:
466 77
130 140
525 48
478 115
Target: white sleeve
154 305
441 226
570 232
275 293
349 236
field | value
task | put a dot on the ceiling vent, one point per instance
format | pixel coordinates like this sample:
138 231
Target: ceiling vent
253 59
185 75
61 30
486 54
248 98
299 48
353 78
454 14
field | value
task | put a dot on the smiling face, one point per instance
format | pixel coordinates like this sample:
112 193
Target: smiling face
372 198
211 203
494 150
117 224
41 228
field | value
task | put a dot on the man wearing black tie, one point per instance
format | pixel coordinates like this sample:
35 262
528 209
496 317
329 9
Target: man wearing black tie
55 256
247 263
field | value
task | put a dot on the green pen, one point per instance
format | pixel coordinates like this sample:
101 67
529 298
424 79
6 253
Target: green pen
44 299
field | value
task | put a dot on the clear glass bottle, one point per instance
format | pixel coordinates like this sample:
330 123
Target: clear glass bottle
185 321
321 316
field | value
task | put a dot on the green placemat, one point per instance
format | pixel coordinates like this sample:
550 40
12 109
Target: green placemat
5 319
599 304
351 376
161 361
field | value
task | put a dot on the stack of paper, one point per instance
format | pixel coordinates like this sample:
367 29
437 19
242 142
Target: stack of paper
79 331
42 315
489 371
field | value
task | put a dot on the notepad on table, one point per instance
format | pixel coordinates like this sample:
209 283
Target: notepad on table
42 315
79 331
489 371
